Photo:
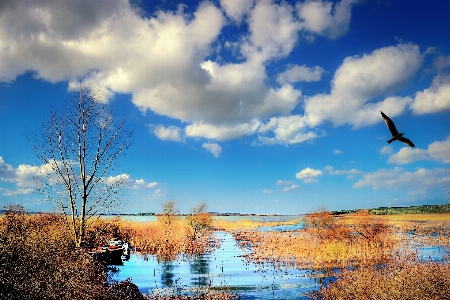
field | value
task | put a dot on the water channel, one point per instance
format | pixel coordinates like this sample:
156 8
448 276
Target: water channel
224 269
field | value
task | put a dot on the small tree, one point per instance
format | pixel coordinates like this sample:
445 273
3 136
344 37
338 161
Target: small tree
168 217
321 220
199 221
81 148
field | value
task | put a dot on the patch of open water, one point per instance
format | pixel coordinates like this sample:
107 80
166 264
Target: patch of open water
225 269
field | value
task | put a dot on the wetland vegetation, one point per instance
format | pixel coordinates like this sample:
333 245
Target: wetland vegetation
317 256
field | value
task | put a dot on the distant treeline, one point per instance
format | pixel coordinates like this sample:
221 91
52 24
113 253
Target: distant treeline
396 210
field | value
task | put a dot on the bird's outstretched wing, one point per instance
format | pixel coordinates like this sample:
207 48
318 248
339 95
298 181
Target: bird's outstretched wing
390 124
406 141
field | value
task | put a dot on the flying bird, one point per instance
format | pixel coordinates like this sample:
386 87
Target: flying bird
395 134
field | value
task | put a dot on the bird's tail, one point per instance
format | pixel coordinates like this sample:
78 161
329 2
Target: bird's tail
390 141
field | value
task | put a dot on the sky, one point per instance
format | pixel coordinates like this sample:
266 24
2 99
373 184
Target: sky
269 107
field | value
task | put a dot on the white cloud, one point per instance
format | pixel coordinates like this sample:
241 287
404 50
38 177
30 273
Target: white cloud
267 191
386 150
23 175
118 179
361 78
350 173
287 131
141 184
284 182
290 188
21 191
434 99
221 132
324 18
419 181
273 31
300 73
7 172
237 9
308 175
171 133
407 155
337 151
214 148
442 62
166 63
440 150
159 193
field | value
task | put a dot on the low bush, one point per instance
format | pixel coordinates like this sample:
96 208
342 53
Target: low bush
38 260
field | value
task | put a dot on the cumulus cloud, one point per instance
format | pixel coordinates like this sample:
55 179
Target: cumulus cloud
141 184
300 73
159 193
170 133
337 151
267 191
284 182
290 188
325 18
407 155
236 9
349 173
23 176
386 150
419 181
287 130
7 172
221 132
20 191
439 150
442 62
434 99
361 78
118 179
214 148
308 175
166 62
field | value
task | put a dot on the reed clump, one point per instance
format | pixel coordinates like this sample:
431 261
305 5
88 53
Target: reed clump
326 243
171 237
402 278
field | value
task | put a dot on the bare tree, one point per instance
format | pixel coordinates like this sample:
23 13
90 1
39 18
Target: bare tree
81 148
168 217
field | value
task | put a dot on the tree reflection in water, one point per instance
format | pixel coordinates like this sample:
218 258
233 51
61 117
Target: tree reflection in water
167 274
199 266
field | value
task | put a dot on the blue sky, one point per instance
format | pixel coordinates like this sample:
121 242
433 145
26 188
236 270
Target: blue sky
249 106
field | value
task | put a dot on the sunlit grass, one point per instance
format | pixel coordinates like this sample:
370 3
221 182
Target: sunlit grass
246 224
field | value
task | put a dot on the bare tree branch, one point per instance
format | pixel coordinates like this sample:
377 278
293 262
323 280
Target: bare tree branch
80 149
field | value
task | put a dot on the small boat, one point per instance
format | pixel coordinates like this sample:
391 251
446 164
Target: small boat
114 253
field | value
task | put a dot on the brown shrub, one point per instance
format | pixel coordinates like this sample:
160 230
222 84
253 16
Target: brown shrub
38 260
400 279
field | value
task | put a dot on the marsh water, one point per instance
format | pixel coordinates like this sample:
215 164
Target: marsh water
224 269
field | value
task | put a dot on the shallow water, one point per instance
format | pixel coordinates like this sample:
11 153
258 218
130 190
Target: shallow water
223 269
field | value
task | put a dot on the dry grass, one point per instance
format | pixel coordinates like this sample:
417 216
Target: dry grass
167 239
246 224
38 260
373 257
400 279
336 246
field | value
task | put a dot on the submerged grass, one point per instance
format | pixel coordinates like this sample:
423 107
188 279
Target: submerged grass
369 256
